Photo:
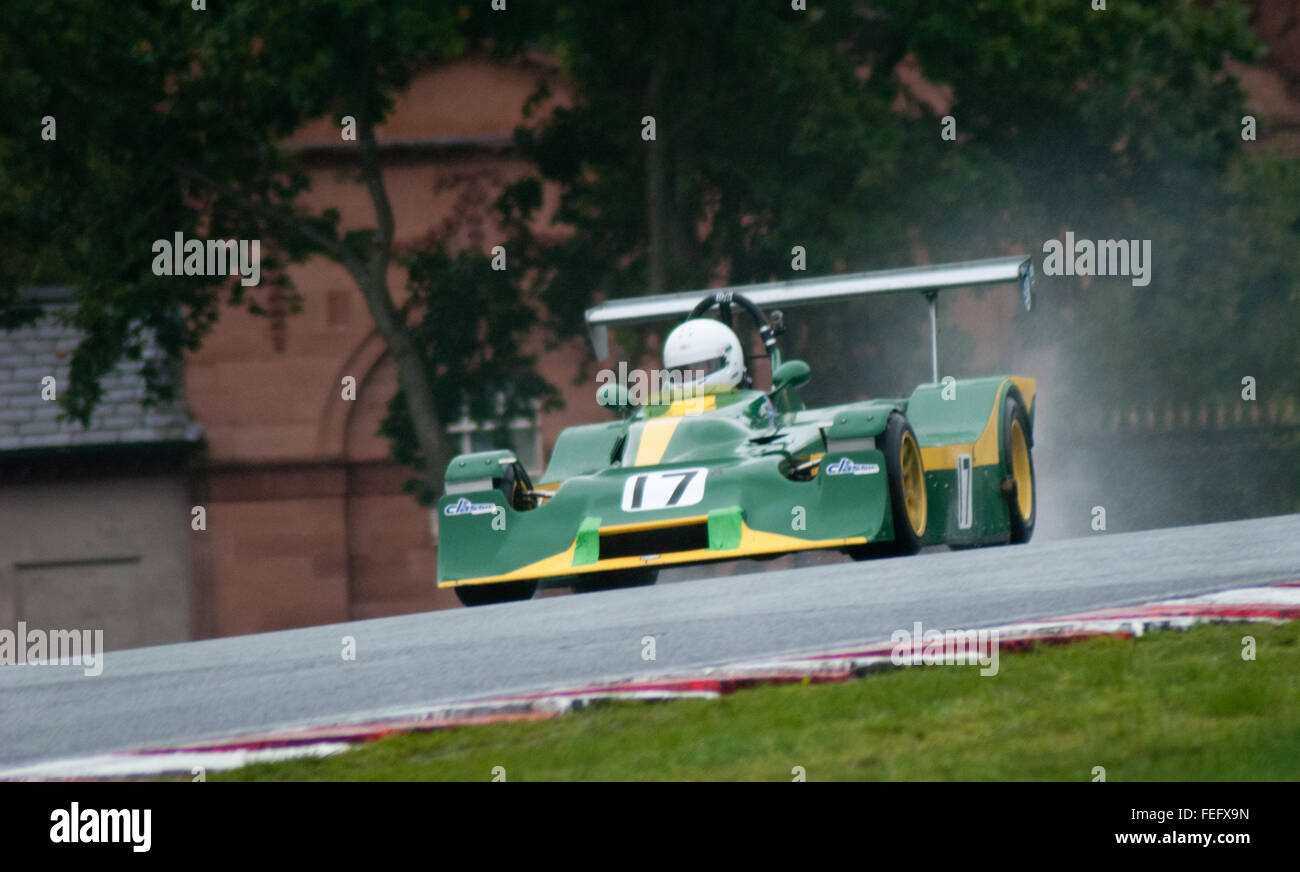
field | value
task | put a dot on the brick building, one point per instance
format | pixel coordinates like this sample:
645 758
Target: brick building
93 529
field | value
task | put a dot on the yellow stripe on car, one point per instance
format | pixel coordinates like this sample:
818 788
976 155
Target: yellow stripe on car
653 440
692 406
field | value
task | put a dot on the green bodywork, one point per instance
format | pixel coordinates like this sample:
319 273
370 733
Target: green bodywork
742 463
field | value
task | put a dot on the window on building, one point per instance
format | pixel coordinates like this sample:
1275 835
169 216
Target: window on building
521 435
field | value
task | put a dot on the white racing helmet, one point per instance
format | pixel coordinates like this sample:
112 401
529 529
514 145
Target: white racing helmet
702 345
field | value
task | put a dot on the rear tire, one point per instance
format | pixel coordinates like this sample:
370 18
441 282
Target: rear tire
908 502
613 580
501 592
1018 483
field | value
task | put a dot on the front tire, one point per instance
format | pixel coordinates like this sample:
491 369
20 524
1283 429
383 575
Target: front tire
491 594
908 501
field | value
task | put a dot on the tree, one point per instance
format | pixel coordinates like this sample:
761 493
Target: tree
1123 124
777 128
767 134
171 119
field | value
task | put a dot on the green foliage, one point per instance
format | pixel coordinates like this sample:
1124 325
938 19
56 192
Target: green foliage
1222 304
760 118
778 128
470 321
173 120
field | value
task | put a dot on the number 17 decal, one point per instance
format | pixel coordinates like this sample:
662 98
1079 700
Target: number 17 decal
664 490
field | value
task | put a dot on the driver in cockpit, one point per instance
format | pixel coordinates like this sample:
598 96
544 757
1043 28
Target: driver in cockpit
707 354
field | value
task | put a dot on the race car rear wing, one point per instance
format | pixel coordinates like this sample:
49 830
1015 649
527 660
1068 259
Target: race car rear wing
926 280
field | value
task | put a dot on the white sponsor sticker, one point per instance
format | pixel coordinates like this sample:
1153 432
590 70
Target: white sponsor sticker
844 466
965 493
666 489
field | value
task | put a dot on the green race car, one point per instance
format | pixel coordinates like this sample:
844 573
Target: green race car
708 466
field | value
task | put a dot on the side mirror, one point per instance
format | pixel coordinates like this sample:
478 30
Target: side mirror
612 395
790 374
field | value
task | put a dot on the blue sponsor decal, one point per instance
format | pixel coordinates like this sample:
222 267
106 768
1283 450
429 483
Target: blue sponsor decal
844 466
463 506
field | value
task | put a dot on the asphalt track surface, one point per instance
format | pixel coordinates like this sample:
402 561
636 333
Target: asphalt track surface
176 693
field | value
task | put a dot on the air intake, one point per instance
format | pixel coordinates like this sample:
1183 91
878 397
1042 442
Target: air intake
663 540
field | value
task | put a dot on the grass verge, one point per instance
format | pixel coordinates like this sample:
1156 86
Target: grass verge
1169 706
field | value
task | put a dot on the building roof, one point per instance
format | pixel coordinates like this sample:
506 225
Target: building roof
27 421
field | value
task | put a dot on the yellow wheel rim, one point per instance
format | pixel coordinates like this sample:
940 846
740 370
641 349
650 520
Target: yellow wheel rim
1020 470
913 484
